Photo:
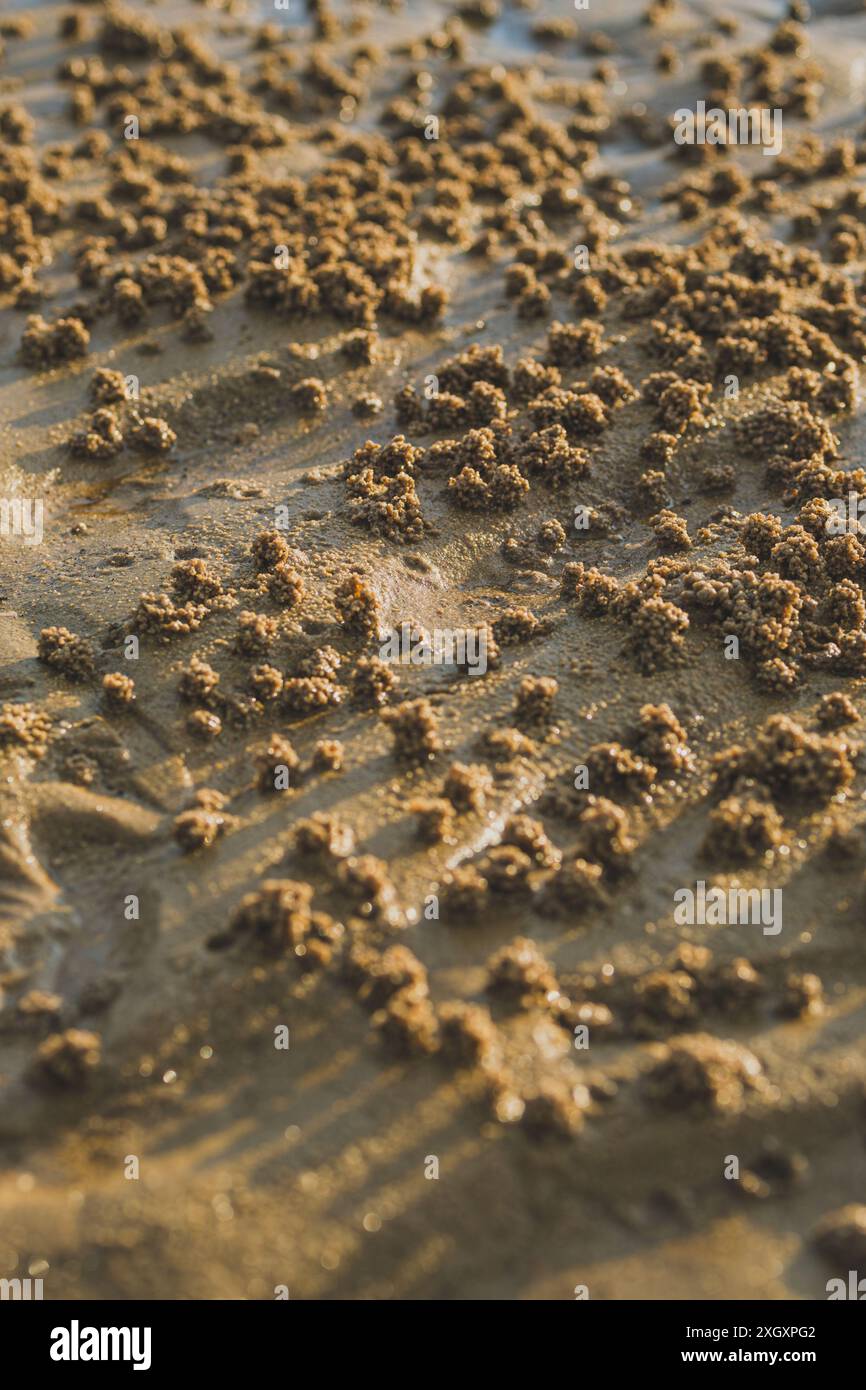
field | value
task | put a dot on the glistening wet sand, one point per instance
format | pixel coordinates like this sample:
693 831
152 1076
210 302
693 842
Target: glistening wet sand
299 374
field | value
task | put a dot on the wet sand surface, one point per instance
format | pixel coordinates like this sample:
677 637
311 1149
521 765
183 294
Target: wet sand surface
511 1072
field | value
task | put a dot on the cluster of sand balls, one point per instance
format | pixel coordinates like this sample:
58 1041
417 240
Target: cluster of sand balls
498 436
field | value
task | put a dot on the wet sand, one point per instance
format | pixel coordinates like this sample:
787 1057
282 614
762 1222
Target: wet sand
419 1043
